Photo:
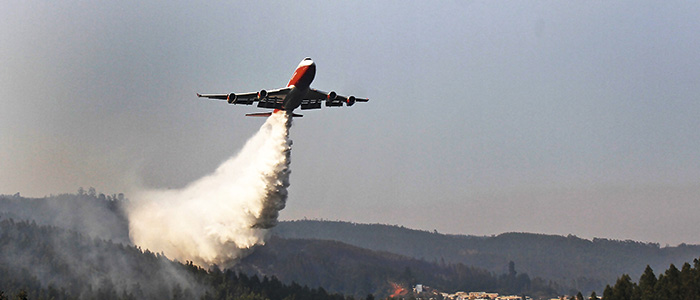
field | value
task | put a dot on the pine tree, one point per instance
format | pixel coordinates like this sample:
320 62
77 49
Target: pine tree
661 288
646 284
673 276
593 296
688 289
608 293
624 288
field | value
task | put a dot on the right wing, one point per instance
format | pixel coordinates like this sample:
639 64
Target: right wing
315 97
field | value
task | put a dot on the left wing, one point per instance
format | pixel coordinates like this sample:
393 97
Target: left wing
266 99
315 97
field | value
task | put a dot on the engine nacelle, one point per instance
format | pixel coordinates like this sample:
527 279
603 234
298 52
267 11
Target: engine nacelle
262 94
351 100
231 98
332 95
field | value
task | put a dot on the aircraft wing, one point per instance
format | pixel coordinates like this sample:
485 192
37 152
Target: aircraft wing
214 96
315 97
267 99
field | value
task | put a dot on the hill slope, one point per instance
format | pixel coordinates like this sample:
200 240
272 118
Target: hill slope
46 262
584 264
570 261
339 267
76 266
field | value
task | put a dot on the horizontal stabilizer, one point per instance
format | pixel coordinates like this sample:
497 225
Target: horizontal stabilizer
267 114
259 114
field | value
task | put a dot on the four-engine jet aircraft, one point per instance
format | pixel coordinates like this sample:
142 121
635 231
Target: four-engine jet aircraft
298 93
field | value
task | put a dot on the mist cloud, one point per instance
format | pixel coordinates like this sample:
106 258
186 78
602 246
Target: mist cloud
215 219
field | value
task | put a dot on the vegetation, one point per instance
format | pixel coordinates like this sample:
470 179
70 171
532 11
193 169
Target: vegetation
45 262
672 284
339 267
572 262
77 247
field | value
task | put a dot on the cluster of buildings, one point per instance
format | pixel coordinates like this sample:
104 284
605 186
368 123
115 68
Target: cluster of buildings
421 289
480 296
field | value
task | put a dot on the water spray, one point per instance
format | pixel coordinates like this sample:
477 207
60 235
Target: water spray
217 218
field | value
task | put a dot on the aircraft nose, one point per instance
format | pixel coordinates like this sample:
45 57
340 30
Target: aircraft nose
307 62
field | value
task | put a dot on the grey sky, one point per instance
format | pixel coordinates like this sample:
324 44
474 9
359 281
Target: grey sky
563 117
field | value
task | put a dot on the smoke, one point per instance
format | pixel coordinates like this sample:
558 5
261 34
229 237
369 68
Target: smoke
215 219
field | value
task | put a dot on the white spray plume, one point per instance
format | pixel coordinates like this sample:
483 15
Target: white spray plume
215 219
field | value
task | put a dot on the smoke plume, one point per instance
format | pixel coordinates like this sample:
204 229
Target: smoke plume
215 219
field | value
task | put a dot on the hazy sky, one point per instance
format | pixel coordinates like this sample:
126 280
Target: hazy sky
557 117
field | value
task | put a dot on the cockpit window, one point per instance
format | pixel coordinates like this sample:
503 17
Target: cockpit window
308 58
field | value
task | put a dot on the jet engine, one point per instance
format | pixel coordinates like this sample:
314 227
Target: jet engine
332 95
262 94
231 98
351 100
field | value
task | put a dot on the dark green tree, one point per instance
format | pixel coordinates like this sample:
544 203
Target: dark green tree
608 293
593 296
673 283
647 283
688 288
623 289
661 288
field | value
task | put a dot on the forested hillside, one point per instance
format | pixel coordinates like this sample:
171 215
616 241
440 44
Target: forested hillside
69 264
78 246
46 262
339 267
76 260
582 264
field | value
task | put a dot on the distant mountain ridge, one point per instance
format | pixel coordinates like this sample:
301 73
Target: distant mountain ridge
570 260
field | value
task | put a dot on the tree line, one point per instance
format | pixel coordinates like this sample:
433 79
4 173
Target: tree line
673 284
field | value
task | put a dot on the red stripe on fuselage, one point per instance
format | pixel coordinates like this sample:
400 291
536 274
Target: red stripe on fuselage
300 82
303 76
298 73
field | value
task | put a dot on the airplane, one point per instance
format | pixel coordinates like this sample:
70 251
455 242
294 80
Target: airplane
298 93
